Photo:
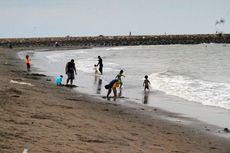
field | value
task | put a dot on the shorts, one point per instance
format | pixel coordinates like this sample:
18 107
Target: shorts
147 87
70 76
116 85
28 65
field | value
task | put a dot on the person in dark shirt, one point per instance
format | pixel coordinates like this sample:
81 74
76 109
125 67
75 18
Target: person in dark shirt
146 83
100 64
70 69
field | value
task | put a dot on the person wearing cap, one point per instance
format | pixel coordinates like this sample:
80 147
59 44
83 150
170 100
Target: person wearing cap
70 70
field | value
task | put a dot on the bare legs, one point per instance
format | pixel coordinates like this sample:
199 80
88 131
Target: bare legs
71 81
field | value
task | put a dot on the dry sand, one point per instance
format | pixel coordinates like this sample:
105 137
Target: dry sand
45 118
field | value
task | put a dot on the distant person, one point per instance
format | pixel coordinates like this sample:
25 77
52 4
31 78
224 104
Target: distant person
28 63
113 85
130 34
56 44
10 45
100 64
59 80
146 83
70 70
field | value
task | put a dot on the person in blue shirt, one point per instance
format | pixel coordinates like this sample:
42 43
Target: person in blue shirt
59 80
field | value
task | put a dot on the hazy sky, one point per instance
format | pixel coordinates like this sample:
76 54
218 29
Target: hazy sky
41 18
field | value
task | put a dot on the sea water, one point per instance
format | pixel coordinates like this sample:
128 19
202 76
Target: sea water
193 80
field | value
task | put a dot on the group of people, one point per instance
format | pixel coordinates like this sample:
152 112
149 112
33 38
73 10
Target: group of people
70 71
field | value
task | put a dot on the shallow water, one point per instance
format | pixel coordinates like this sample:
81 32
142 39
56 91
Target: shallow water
189 79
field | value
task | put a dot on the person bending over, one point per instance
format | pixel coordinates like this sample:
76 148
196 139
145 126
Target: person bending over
113 85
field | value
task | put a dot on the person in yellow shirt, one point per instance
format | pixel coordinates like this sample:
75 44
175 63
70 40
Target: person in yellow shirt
113 85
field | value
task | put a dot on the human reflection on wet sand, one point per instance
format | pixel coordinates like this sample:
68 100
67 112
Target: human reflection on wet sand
99 86
98 83
145 97
95 79
120 92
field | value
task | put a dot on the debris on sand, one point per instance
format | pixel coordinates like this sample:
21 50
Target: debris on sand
21 83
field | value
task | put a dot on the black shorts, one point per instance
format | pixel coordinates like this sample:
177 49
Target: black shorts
70 76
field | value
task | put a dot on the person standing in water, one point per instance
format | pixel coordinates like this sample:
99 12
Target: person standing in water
146 83
70 69
100 64
118 77
28 63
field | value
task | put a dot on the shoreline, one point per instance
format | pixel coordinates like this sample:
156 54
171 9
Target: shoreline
80 123
209 115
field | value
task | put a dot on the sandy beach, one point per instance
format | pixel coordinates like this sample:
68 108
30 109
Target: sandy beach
42 117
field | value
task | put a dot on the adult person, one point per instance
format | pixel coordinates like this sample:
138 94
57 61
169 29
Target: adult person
113 85
100 64
70 69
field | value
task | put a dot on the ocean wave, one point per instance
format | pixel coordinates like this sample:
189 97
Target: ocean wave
116 48
55 57
87 65
204 92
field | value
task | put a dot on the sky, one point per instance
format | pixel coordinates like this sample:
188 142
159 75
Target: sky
58 18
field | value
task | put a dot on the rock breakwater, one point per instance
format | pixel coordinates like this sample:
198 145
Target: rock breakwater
99 41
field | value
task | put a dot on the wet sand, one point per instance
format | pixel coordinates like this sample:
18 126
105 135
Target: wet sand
45 118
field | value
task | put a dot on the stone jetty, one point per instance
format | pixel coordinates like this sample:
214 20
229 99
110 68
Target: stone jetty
100 41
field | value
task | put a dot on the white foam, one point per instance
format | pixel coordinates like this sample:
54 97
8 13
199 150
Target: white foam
204 92
87 65
55 57
116 48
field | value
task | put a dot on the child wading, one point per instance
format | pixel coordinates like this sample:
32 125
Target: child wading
28 63
146 83
118 77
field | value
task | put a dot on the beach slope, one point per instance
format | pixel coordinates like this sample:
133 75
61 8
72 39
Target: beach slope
37 115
